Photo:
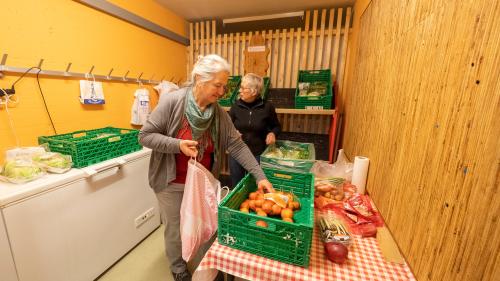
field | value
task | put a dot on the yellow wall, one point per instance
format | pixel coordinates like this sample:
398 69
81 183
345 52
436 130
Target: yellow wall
422 102
62 31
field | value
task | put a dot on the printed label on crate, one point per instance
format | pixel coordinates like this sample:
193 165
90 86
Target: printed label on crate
314 107
283 176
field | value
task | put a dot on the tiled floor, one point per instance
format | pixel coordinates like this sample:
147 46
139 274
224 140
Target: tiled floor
146 262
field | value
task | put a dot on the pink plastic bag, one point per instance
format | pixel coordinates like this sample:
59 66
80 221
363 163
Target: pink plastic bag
202 194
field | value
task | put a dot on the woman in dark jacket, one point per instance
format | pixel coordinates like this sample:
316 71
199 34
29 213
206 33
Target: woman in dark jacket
255 119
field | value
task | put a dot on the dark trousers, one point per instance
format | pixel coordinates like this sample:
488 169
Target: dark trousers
237 171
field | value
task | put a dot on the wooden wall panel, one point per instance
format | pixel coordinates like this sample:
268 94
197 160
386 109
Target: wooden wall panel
422 102
316 46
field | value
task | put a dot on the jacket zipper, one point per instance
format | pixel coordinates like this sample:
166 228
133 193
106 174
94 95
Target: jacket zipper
250 118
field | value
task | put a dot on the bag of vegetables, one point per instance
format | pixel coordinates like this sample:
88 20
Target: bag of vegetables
54 162
20 170
289 156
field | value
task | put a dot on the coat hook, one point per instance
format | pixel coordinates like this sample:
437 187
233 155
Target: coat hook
172 79
4 59
109 74
40 64
139 78
68 67
91 69
125 77
151 78
162 78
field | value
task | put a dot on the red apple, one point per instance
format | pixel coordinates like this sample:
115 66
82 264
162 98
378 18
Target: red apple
336 252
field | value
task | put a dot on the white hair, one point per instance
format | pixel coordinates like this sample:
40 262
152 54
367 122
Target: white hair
206 67
253 81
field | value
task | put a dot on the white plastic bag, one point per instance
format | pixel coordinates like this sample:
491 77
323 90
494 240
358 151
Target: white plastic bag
342 168
202 194
165 87
140 108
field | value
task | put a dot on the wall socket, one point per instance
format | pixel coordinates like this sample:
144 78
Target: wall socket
144 217
7 91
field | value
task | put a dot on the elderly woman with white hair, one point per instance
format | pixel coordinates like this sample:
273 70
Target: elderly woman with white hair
255 119
190 123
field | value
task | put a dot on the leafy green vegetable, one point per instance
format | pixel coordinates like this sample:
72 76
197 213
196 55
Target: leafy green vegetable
54 162
230 87
21 170
288 152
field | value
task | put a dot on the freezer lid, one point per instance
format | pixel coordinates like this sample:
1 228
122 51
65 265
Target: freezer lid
10 193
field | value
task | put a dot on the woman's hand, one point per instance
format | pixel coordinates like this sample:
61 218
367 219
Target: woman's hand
265 185
271 138
188 147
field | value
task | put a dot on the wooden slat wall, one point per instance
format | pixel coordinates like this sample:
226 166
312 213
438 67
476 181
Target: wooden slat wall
290 49
422 102
299 123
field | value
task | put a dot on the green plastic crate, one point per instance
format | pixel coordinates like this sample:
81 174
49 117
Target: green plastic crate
264 93
233 86
88 147
268 160
281 241
314 102
265 88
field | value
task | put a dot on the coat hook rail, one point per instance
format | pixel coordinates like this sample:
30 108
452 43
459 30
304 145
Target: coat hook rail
66 73
109 74
4 59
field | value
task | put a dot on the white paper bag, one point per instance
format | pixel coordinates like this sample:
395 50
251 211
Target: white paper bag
91 92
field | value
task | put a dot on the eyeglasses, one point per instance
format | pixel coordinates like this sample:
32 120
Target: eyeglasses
247 88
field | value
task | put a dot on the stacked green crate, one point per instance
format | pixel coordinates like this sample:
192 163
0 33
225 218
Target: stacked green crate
88 147
289 155
314 89
283 241
232 88
265 87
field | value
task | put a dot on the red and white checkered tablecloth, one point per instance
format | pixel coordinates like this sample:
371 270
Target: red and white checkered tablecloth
365 262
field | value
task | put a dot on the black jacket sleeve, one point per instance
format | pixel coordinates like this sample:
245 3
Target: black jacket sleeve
274 124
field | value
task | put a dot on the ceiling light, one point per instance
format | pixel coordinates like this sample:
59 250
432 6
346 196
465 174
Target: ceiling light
264 17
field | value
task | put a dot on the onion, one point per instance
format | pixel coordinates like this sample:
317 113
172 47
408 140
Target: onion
336 252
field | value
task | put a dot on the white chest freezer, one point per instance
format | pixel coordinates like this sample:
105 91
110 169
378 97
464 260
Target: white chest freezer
75 225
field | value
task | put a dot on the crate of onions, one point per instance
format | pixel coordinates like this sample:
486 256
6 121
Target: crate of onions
276 225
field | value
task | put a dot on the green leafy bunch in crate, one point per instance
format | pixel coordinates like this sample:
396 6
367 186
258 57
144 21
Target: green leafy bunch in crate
232 87
289 151
313 89
289 155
